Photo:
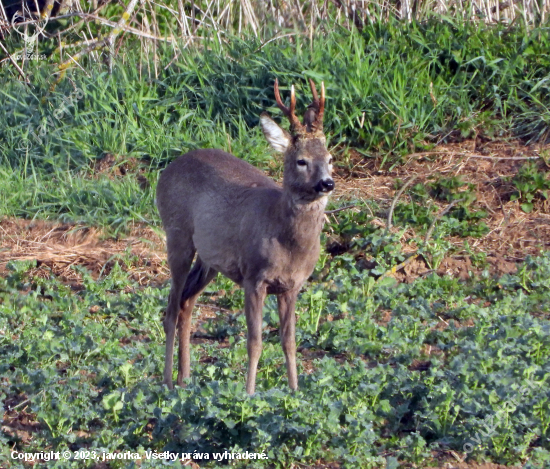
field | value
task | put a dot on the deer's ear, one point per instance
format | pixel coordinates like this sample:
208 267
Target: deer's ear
278 138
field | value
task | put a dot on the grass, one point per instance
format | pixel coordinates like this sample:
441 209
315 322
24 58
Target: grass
468 79
390 373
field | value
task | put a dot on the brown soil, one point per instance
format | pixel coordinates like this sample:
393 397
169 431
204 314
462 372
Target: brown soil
17 420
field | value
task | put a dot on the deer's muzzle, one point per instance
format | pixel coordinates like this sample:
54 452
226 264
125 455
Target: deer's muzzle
325 185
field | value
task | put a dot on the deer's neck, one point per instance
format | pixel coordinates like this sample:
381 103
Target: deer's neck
303 221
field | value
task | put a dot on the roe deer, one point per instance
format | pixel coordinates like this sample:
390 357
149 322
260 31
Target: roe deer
241 223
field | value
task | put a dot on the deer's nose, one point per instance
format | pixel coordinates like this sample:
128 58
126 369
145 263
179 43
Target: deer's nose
325 185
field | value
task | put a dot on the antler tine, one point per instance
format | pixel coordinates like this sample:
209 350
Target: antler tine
295 124
313 118
319 120
292 101
282 107
313 91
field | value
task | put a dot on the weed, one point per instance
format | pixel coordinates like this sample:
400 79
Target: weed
478 259
531 183
92 369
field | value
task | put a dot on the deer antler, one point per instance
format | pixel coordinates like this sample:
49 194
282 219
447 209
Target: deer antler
320 115
313 117
313 91
295 125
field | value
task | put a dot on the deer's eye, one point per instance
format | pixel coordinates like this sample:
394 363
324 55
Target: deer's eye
301 163
330 160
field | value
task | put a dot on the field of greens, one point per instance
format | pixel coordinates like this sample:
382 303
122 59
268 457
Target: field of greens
394 371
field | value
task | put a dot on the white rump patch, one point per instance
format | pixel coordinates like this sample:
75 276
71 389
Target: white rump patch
276 136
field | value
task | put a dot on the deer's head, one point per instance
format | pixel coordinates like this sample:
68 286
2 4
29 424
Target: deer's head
308 164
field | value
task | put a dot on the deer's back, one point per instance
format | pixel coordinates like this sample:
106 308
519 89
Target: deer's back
210 165
220 201
206 184
208 174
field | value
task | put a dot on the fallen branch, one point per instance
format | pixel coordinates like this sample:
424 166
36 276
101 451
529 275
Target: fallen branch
123 27
77 14
339 209
47 10
100 43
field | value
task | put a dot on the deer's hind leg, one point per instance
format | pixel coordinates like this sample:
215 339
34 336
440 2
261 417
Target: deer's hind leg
180 257
198 278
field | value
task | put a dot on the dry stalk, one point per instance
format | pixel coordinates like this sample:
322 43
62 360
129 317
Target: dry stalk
438 217
15 64
3 16
106 41
340 209
394 202
470 155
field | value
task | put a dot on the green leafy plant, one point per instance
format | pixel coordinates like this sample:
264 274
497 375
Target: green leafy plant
453 188
531 182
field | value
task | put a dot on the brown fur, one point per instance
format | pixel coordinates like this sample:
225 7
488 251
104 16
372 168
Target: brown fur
241 223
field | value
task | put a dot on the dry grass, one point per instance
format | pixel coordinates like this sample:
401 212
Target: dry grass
190 23
57 248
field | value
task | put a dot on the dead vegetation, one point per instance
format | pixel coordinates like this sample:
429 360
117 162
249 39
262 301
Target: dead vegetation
489 166
57 248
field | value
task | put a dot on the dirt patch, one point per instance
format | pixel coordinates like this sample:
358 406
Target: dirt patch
57 248
489 166
414 269
17 422
459 267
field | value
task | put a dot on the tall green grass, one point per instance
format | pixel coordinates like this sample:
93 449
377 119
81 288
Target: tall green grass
392 89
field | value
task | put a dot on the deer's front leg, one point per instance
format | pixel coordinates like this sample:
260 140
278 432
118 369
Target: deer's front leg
287 332
253 308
